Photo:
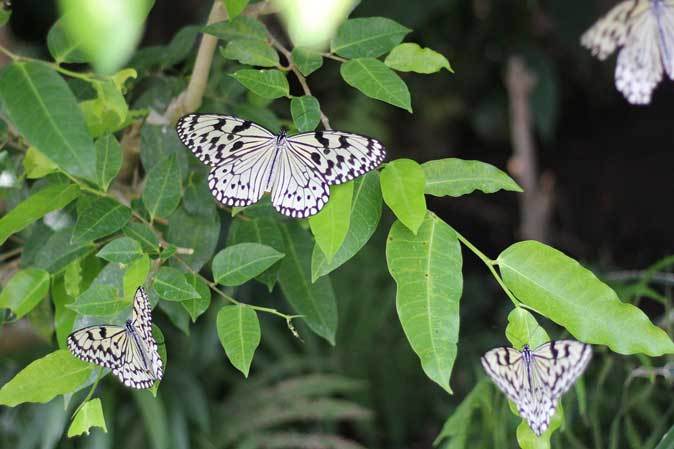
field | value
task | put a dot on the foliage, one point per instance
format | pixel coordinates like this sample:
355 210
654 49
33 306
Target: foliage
81 142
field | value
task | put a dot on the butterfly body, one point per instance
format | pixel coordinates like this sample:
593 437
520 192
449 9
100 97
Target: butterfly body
248 161
535 379
644 32
130 351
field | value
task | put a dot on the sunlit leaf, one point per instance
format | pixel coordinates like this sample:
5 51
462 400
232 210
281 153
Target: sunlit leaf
170 284
239 263
103 216
410 57
456 177
24 290
268 84
331 224
367 37
402 186
374 79
239 333
88 416
122 250
163 188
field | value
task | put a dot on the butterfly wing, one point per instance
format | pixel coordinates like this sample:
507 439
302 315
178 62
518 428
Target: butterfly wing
298 188
142 324
612 30
214 138
506 368
666 28
103 345
135 371
560 363
338 156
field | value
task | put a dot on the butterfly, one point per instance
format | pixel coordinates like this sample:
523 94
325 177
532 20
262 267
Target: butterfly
130 351
248 160
645 31
535 379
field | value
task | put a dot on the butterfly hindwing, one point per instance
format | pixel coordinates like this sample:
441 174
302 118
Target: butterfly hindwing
504 365
142 324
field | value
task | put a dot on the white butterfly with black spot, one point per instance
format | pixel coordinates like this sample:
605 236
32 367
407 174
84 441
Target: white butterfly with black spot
248 160
535 379
130 351
645 31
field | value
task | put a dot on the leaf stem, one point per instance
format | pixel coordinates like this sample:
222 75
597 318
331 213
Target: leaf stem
490 264
91 392
333 57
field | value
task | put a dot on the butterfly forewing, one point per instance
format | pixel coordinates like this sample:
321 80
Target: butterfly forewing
611 31
102 345
534 380
142 323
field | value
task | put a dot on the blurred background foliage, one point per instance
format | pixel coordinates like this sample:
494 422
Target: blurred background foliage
610 164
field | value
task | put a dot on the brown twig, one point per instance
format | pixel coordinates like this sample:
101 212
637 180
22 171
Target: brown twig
536 201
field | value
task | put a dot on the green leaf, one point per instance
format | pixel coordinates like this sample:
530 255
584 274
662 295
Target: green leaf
374 79
58 252
121 250
527 439
458 424
235 7
163 188
154 417
242 27
427 271
47 199
456 177
45 112
108 160
99 300
306 112
523 330
197 306
144 235
135 276
306 60
72 278
197 232
107 112
5 14
410 57
37 165
240 263
331 224
239 333
103 216
365 213
62 47
251 52
177 315
170 284
268 84
667 441
88 416
316 302
367 37
259 230
24 291
45 378
558 287
159 142
158 336
64 318
402 186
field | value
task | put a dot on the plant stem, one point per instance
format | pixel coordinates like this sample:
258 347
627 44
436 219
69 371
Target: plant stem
333 57
91 392
490 264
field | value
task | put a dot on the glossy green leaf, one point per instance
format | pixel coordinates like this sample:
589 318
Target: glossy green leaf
135 275
242 27
197 232
523 330
102 217
456 177
24 290
366 206
316 302
374 79
251 52
163 188
558 287
58 251
306 60
410 57
37 165
240 263
259 230
306 112
99 300
144 235
56 373
367 37
122 250
45 112
239 333
427 271
47 199
268 84
170 284
88 416
235 7
62 48
197 306
331 224
108 160
402 186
